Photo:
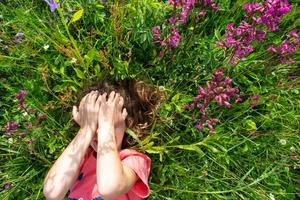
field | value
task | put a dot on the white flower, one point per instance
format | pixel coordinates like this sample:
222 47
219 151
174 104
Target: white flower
292 149
161 88
74 61
10 140
272 196
282 141
46 47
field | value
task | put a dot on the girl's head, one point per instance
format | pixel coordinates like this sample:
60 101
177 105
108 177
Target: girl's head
140 101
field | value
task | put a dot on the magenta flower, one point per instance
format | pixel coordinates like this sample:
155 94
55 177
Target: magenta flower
174 38
181 10
11 127
258 16
156 33
52 4
202 13
217 90
29 126
21 98
21 134
287 48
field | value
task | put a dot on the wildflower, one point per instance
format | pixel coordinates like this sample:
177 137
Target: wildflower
272 196
10 127
161 88
282 141
46 47
21 134
174 38
31 110
181 10
21 98
254 100
172 20
29 126
293 149
74 61
287 48
7 186
52 4
219 89
202 13
156 33
27 141
18 37
42 116
10 140
258 16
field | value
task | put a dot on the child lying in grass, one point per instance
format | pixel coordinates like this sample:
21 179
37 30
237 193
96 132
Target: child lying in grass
94 166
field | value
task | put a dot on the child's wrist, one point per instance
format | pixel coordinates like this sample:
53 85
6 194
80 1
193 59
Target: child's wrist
105 129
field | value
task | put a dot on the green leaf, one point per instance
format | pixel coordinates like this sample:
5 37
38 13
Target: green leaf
250 125
79 73
76 16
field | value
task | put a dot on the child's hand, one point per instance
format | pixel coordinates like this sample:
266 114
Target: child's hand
87 114
111 113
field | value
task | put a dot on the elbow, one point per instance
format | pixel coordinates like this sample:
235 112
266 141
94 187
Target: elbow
51 193
111 190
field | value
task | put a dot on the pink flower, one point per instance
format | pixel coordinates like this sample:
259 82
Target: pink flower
218 90
10 127
21 98
172 20
202 13
174 38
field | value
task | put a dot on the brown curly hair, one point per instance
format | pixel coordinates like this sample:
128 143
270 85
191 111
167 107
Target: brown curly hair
140 100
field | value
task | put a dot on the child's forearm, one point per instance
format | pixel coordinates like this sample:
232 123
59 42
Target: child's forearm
66 168
110 175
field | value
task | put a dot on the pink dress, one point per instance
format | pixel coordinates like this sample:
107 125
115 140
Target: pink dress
85 187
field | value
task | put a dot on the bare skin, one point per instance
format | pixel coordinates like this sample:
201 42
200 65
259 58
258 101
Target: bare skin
94 115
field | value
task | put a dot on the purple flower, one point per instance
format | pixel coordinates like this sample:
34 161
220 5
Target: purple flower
29 126
21 98
172 20
18 37
156 33
254 100
202 13
258 16
10 127
52 4
218 90
174 38
42 116
287 48
7 186
199 126
21 134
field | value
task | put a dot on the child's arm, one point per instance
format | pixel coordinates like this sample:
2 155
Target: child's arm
63 173
113 179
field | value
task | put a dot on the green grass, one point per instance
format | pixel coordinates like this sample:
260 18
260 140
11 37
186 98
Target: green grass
244 159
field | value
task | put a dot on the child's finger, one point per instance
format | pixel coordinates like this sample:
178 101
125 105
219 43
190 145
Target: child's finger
94 97
121 102
111 96
99 100
103 98
75 112
117 98
83 101
124 113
